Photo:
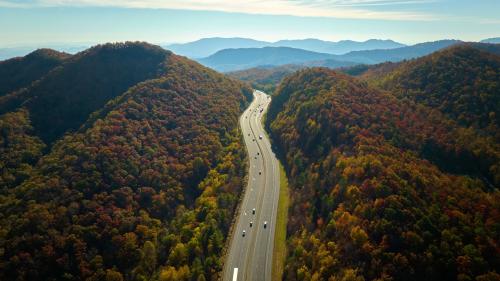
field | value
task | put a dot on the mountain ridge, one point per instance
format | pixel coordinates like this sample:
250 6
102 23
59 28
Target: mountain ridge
208 46
243 58
238 59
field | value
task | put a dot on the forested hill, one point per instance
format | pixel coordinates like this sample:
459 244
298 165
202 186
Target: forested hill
462 81
382 188
145 190
20 72
63 99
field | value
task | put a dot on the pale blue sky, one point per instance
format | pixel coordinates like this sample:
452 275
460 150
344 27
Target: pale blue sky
24 22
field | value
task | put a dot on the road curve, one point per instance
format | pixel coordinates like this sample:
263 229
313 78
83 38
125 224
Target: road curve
250 257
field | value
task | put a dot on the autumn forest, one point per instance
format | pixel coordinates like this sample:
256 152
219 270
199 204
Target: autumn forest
126 161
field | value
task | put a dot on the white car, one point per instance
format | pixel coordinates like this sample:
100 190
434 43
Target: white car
260 137
265 224
253 211
244 233
251 223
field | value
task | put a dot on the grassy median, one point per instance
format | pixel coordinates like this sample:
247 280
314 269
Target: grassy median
279 254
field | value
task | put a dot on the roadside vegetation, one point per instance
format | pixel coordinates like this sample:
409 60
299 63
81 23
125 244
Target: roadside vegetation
280 249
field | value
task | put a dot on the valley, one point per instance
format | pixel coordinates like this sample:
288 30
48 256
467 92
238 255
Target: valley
251 246
126 161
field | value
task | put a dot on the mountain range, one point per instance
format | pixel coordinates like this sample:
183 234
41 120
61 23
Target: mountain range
19 51
208 46
268 77
239 59
495 40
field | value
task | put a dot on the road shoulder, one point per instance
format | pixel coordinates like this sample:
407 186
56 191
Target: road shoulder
280 248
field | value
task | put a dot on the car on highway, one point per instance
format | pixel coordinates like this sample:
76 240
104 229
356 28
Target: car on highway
260 137
265 224
251 223
260 172
253 211
244 232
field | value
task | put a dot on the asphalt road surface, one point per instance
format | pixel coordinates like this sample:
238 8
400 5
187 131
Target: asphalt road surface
250 255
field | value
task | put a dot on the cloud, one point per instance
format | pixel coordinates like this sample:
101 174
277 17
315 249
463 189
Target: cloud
351 9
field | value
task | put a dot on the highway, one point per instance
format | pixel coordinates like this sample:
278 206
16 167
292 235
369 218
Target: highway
250 256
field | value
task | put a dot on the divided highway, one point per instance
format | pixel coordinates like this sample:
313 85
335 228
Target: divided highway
251 246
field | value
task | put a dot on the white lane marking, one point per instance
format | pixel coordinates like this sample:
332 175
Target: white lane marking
235 274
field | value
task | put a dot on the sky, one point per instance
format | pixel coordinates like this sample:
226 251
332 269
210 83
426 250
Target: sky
28 22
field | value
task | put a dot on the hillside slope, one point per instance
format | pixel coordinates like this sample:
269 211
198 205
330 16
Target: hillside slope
146 190
461 81
373 193
20 72
64 98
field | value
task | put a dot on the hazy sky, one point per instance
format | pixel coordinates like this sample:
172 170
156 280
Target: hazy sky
24 22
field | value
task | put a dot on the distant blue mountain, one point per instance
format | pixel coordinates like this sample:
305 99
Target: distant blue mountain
495 40
244 58
208 46
398 54
237 59
340 47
